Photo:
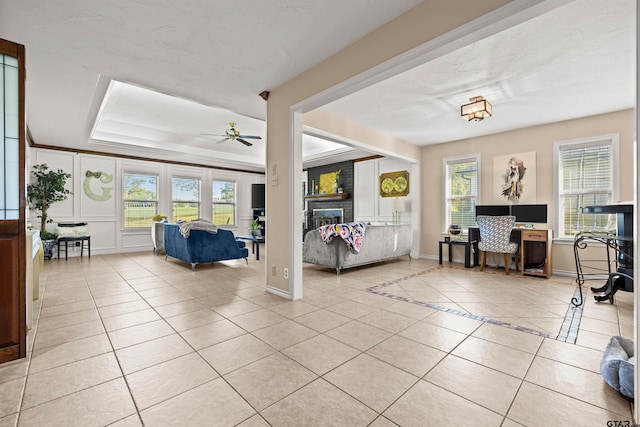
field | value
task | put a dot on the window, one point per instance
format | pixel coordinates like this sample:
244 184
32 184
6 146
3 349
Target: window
461 190
584 177
224 202
186 198
140 199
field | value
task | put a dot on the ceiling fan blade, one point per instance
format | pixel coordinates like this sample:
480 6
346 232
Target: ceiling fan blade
212 134
249 137
222 140
247 143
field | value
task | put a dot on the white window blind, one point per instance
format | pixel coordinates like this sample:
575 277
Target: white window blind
585 178
461 191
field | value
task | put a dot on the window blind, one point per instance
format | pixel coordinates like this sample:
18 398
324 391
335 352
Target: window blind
585 173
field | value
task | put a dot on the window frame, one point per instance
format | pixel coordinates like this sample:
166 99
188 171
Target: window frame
174 200
234 204
124 200
447 162
611 140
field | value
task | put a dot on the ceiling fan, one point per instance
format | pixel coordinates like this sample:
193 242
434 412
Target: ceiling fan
234 135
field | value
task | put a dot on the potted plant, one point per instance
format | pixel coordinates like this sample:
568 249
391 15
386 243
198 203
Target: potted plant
46 188
256 228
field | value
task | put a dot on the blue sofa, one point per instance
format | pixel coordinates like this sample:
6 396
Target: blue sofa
202 246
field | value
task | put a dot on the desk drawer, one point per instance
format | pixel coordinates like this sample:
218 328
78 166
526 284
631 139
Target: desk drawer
540 236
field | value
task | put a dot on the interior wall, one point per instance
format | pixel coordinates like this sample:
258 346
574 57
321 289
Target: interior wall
540 139
418 26
105 218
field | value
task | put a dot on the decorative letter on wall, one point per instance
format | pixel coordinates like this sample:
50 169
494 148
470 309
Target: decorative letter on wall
105 178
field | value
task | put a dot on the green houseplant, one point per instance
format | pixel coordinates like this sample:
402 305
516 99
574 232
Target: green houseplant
46 188
256 228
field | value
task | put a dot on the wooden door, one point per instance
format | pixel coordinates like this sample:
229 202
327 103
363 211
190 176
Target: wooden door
13 327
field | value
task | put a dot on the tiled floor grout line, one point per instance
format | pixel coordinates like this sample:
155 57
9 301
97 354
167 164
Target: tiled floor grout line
375 290
220 376
30 354
567 334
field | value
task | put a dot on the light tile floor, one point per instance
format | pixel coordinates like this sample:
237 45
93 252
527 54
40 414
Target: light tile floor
132 339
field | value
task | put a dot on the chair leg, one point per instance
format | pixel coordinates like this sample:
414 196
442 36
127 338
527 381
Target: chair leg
484 260
506 263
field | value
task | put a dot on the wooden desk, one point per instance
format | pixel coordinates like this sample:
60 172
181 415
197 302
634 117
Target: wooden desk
534 247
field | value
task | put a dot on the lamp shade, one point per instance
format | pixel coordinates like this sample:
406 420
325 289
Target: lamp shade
399 205
478 109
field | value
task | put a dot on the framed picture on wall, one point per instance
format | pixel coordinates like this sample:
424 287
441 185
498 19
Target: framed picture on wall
394 184
514 178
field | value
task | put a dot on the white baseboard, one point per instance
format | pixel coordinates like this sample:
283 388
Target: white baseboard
279 292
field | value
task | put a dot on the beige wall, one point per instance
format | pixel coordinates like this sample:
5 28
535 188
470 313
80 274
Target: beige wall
539 139
412 29
349 130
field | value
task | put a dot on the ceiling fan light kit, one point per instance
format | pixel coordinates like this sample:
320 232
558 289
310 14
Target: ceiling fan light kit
477 110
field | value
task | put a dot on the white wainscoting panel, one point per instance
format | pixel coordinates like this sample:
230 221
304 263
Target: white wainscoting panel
365 188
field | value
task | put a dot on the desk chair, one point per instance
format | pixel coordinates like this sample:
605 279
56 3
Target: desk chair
495 233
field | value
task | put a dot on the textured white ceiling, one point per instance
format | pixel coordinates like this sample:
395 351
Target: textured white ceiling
575 61
214 57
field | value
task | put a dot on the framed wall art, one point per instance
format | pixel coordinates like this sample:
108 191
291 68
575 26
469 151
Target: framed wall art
514 178
394 184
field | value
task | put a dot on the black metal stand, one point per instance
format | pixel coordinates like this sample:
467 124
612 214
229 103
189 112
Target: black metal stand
619 277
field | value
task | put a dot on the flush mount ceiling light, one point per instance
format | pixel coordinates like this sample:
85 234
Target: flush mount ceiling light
478 109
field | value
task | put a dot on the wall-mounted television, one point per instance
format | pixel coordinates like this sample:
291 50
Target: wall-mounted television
492 210
527 214
257 196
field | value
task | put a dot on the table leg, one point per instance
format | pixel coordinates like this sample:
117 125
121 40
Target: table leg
257 250
439 252
450 246
467 250
475 253
66 250
89 246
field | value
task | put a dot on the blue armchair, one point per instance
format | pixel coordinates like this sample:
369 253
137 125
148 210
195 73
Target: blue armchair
495 234
202 246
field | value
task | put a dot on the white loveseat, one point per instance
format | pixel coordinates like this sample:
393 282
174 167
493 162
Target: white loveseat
380 242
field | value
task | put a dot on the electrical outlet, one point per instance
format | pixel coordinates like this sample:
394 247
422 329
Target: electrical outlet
273 270
286 273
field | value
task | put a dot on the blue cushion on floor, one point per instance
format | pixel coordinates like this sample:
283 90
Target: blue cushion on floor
618 364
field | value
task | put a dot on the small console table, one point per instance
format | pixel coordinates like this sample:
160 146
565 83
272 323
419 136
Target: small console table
468 245
255 244
81 239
